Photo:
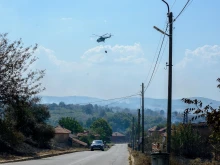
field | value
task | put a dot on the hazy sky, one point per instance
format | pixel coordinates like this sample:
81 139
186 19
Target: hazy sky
77 65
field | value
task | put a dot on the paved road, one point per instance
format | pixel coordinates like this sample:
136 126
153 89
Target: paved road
116 155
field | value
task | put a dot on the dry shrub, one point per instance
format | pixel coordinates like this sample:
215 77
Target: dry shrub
140 158
198 161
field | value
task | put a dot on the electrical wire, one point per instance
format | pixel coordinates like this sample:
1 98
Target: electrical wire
161 57
156 60
109 99
189 4
155 53
173 4
121 99
182 10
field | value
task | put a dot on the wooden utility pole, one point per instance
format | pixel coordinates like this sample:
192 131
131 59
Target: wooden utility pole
142 117
133 134
139 129
169 104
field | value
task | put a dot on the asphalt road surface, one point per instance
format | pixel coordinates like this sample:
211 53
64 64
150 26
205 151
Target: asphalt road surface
116 155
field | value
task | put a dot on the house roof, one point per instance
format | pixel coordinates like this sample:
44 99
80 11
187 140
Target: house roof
86 134
200 124
152 129
162 129
78 141
117 134
82 134
72 136
61 130
164 134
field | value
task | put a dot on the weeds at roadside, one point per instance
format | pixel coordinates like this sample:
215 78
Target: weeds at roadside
140 158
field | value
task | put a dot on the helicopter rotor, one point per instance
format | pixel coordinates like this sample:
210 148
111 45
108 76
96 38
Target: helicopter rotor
96 35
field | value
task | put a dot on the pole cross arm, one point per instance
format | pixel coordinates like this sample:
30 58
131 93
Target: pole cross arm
161 31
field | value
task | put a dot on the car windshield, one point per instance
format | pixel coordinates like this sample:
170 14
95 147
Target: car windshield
97 141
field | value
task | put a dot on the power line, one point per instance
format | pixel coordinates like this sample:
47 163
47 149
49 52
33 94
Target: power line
155 53
122 99
110 99
182 10
161 58
156 60
173 4
189 4
153 58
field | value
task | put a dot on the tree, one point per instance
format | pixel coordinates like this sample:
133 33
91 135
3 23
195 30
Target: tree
71 124
188 142
101 127
19 115
102 113
88 109
90 121
211 115
17 81
162 112
31 122
62 104
120 121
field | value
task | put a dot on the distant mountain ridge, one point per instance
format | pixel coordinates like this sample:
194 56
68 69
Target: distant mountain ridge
131 103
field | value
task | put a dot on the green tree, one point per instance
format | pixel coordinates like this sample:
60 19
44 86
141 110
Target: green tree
89 121
71 124
101 127
88 109
17 81
120 121
18 86
211 115
188 142
31 122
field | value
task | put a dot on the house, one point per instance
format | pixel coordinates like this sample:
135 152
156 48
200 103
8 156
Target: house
154 130
76 142
118 138
61 135
87 133
64 138
203 129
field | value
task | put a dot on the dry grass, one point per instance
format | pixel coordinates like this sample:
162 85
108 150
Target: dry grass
140 158
200 162
183 161
40 153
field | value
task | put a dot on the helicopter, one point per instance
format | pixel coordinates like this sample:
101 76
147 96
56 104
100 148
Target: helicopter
103 37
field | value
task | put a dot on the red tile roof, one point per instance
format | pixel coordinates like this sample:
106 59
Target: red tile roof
153 128
61 130
117 134
162 129
79 142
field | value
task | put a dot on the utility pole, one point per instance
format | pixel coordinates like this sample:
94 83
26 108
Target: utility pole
133 133
142 117
139 125
170 64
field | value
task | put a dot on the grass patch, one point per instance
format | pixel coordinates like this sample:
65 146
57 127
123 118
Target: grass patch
140 158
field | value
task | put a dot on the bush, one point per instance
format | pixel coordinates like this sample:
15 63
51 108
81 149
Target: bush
140 158
188 142
43 134
9 137
86 139
198 161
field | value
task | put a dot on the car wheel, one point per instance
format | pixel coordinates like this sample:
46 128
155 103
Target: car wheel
92 149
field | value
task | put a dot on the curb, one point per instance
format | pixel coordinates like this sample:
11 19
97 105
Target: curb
37 157
132 159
